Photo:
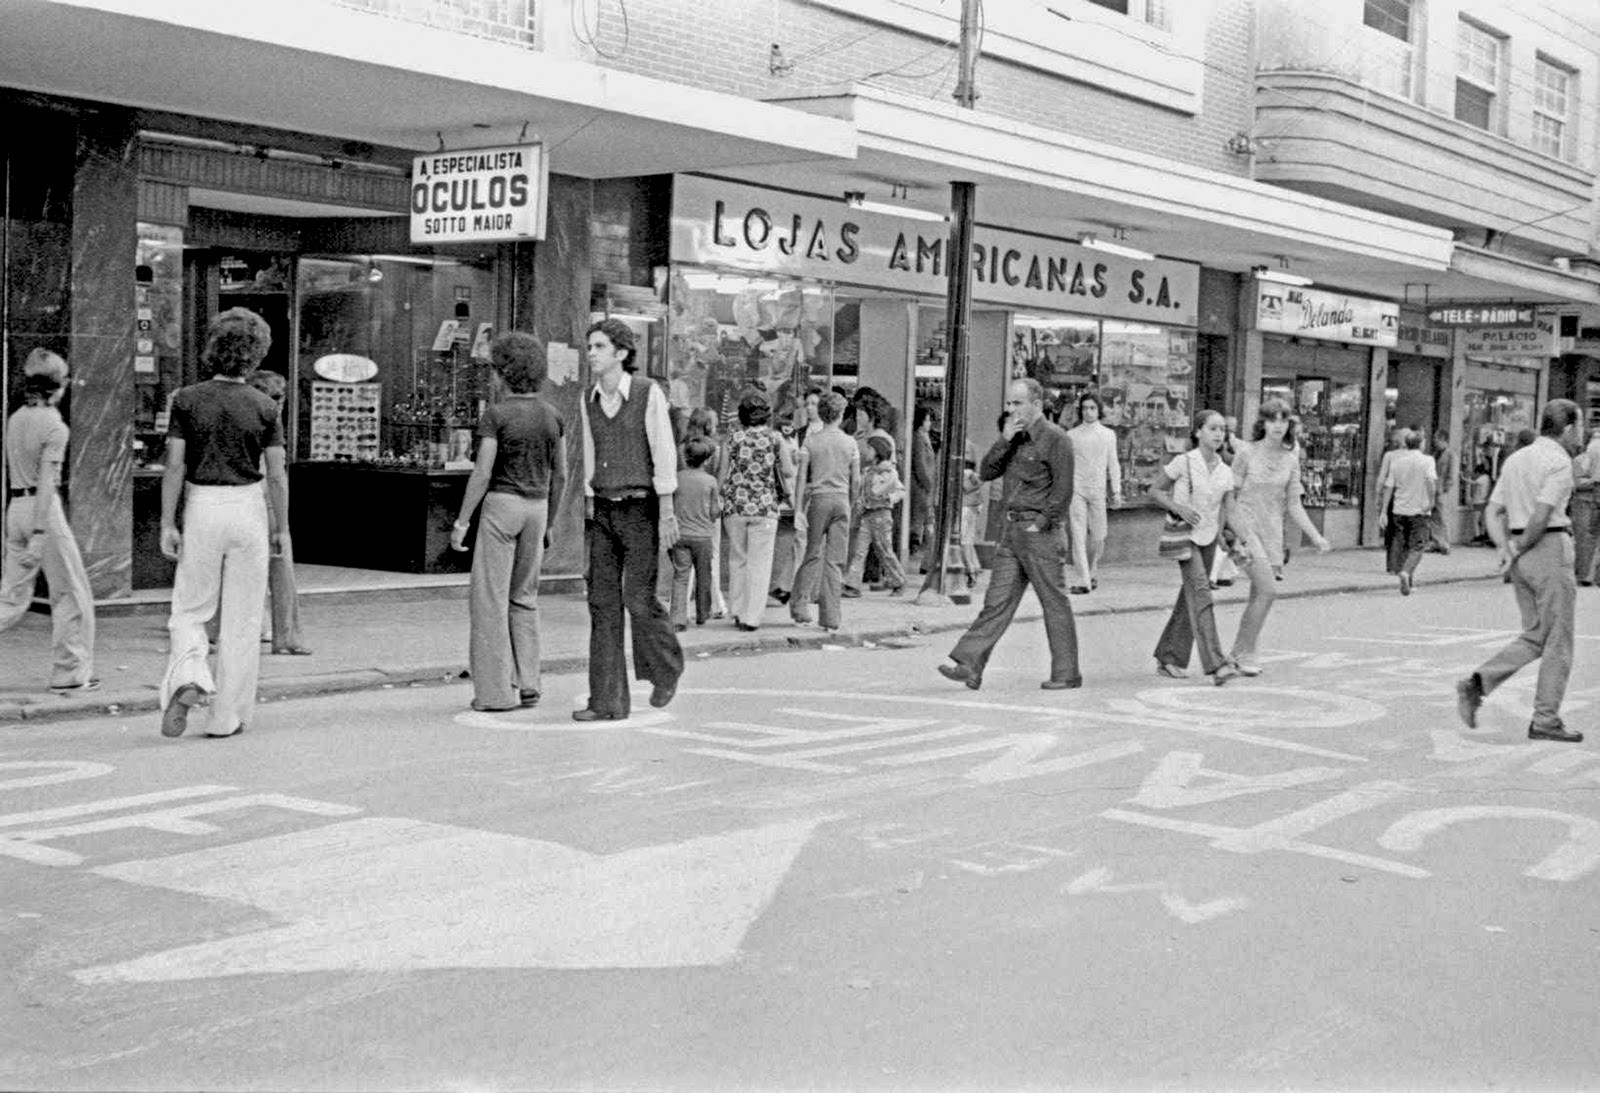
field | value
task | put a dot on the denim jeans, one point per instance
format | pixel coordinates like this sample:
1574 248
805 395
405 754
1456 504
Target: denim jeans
1546 590
691 558
876 533
623 545
1024 557
1193 620
821 574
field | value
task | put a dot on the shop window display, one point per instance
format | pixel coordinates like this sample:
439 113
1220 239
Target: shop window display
158 369
730 332
1331 415
1146 383
393 359
1491 421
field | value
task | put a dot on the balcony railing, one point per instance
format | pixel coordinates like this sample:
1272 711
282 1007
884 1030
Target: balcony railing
498 20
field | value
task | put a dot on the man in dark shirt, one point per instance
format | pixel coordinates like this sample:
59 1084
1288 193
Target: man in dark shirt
222 430
1035 458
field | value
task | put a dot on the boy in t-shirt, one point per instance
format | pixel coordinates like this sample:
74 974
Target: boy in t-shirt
881 491
698 511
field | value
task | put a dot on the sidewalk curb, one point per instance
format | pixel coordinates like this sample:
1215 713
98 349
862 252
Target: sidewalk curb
146 699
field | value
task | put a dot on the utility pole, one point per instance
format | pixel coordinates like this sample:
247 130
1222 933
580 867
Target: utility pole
958 314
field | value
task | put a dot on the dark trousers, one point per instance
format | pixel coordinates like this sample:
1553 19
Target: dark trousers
1021 558
1193 621
623 557
691 557
1410 539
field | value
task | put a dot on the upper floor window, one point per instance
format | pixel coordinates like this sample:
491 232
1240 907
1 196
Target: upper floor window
1479 69
1154 12
1393 17
1552 105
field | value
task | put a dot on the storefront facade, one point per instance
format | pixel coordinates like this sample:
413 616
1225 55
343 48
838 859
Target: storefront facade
787 292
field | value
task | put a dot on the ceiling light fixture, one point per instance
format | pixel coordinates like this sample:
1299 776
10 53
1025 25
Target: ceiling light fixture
857 199
1094 242
1282 277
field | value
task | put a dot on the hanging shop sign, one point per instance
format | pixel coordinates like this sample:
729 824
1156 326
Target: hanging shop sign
479 195
718 223
1330 316
1481 315
1535 339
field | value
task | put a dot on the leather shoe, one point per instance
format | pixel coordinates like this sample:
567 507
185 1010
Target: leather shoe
175 718
1558 731
1061 684
596 715
960 673
662 693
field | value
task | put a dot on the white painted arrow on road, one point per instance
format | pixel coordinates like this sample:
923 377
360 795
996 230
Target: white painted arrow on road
385 894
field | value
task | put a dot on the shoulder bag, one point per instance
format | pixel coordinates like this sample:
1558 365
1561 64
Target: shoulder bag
1174 543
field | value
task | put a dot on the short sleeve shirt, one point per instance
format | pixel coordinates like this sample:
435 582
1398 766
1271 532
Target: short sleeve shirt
1202 489
1540 474
829 456
36 435
529 439
225 427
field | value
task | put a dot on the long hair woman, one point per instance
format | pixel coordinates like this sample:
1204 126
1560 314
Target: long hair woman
1197 488
1267 480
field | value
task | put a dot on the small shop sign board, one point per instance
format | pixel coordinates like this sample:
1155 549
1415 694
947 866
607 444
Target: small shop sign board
1481 315
480 195
1330 316
1535 339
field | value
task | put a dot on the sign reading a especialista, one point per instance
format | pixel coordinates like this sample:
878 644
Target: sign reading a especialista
479 195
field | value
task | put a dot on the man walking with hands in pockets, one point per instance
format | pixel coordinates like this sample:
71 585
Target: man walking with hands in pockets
1034 457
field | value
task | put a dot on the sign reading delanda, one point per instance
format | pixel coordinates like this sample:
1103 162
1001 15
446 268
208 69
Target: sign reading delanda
479 195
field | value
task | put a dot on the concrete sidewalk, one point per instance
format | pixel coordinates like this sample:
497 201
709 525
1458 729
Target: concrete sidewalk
416 636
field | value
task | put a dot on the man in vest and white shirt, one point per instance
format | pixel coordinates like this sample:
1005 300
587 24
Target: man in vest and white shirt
630 472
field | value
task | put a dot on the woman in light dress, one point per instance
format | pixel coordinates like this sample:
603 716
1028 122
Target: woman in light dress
1267 479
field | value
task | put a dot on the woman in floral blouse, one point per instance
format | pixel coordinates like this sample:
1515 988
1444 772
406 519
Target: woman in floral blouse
750 470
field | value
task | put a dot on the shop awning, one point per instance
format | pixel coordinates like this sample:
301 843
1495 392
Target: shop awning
1036 179
315 67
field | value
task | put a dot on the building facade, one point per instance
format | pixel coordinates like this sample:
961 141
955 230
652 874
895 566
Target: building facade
760 189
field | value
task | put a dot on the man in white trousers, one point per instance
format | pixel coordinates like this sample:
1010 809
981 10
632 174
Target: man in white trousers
223 432
1095 470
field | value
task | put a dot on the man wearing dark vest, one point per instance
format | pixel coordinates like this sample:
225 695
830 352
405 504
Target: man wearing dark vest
630 472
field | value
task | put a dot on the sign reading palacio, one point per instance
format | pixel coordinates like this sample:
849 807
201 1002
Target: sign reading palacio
720 223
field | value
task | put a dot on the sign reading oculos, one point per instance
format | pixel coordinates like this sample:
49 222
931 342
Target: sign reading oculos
1332 316
768 231
479 195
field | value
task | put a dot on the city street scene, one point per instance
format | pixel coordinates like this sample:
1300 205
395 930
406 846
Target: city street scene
799 544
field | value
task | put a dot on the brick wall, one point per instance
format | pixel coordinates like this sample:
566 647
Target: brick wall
724 45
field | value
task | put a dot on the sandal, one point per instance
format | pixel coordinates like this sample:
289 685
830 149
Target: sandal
1171 671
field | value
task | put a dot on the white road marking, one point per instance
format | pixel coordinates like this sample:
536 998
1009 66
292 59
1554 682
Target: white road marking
540 720
1169 785
66 771
1099 880
110 804
385 894
1578 855
23 845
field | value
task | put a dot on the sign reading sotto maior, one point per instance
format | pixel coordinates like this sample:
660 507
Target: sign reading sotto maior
479 195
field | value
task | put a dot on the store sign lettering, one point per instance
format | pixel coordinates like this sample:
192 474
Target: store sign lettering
1535 340
483 195
726 224
1481 315
1332 316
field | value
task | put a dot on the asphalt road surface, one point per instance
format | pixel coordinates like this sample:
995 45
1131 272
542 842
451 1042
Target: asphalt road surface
833 869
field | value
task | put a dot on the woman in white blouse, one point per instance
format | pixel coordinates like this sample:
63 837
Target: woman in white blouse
1197 488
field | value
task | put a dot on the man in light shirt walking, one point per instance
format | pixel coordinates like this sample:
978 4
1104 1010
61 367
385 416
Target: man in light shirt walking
1412 482
1527 519
1095 467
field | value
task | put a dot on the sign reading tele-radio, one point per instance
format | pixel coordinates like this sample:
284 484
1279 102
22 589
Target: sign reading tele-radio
479 195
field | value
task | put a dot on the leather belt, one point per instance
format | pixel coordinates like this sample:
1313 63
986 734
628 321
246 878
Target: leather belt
1017 516
29 491
1547 531
622 495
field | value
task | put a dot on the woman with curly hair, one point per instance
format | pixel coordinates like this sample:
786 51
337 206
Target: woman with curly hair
222 430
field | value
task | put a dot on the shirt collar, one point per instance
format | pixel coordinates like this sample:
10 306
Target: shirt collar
623 388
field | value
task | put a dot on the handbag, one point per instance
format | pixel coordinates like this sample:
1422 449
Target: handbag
1174 543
